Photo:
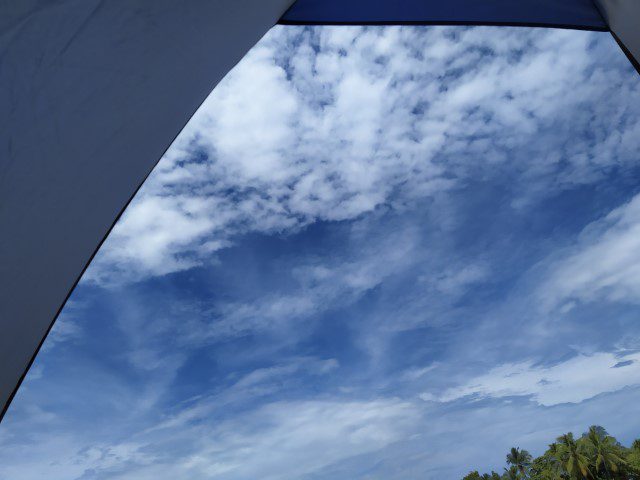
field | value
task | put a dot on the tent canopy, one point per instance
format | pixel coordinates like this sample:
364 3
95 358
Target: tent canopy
581 14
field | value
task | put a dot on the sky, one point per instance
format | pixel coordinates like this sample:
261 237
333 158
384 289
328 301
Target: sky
373 253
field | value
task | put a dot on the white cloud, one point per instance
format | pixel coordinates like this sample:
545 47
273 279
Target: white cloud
67 328
373 116
276 441
604 265
453 281
267 375
572 381
415 373
314 433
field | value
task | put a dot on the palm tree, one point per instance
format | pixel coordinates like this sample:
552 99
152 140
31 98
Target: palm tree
604 452
520 459
474 475
548 466
573 460
633 459
512 473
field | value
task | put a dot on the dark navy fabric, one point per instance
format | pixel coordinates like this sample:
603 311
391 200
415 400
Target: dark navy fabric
91 95
581 14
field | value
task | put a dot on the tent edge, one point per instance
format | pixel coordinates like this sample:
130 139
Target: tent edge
445 23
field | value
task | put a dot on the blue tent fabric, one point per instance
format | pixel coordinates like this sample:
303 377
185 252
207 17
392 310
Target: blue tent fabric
578 14
92 92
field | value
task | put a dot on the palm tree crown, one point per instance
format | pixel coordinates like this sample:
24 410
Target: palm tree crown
574 461
604 452
511 473
520 459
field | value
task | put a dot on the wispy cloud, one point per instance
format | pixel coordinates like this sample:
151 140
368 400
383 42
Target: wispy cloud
572 381
316 434
260 443
603 265
344 120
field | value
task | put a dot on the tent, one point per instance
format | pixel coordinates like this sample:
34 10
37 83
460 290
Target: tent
94 91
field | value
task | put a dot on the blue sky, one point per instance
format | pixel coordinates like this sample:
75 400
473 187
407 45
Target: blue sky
377 253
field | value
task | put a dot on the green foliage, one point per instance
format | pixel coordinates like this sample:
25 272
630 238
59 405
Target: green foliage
491 476
572 457
596 455
547 466
512 473
604 452
633 460
520 460
472 476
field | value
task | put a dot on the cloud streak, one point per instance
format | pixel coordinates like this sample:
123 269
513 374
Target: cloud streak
573 381
604 265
